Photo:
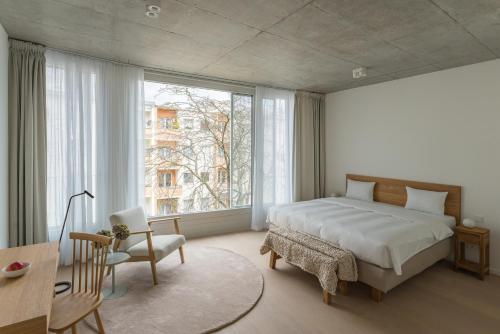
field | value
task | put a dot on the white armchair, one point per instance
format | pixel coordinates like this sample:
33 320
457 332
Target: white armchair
142 245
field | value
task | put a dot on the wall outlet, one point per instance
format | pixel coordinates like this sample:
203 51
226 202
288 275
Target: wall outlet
359 72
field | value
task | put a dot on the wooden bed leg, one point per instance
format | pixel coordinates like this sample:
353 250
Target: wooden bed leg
376 295
342 285
326 297
272 259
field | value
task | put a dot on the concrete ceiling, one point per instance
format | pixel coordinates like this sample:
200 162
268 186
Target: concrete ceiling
297 44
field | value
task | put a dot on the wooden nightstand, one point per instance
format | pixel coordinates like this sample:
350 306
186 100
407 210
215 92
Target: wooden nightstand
475 236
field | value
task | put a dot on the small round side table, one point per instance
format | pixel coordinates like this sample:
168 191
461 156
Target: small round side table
112 260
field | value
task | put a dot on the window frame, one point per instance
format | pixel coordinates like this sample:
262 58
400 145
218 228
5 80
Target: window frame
186 121
234 88
221 175
252 143
205 177
162 179
166 152
190 178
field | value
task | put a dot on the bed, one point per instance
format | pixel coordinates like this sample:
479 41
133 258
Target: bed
390 243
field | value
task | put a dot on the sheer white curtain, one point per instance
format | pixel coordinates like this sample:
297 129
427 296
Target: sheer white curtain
273 144
94 142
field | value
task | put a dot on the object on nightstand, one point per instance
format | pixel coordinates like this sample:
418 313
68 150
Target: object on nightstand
475 236
468 222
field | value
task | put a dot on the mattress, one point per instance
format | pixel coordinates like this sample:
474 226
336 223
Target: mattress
380 234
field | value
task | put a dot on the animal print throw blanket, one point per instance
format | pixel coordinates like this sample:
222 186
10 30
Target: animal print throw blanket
327 262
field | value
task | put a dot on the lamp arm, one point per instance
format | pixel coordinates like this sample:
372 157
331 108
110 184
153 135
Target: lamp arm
67 284
67 212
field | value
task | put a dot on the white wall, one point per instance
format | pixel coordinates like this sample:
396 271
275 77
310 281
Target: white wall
4 166
441 127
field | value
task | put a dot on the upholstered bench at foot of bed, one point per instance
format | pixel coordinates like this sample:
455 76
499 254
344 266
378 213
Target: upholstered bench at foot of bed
283 243
333 266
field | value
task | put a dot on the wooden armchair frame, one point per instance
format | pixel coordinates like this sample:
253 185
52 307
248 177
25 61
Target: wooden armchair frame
151 257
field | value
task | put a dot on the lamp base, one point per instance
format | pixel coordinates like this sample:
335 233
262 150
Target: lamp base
119 291
63 287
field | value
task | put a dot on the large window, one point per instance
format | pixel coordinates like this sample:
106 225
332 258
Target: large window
203 136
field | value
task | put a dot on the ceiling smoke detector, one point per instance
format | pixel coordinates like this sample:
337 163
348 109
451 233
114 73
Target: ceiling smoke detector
359 72
153 8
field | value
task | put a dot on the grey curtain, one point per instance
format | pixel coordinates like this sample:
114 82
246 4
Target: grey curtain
27 144
309 146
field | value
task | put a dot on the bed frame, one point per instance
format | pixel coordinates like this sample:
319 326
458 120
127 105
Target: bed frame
393 191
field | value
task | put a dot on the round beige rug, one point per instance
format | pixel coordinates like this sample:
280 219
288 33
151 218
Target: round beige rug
212 289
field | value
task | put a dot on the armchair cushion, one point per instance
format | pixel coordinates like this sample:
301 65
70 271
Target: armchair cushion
136 220
162 246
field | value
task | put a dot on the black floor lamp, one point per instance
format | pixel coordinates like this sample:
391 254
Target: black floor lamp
66 285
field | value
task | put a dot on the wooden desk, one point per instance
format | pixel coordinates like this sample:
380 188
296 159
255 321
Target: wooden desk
25 302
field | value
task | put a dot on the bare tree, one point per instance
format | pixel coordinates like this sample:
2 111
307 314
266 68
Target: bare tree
217 153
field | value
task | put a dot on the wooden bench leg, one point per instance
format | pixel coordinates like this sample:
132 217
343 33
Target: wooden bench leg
376 295
342 285
326 297
272 259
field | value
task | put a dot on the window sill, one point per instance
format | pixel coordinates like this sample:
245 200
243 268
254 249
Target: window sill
201 224
206 214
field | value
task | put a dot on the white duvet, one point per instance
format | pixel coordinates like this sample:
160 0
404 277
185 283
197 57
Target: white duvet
382 234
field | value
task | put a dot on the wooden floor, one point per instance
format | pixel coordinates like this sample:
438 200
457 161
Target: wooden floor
437 301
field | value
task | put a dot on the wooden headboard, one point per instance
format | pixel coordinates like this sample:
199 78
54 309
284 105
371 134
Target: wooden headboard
393 191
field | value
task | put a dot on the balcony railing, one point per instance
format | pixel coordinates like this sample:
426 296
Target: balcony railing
162 163
160 133
163 192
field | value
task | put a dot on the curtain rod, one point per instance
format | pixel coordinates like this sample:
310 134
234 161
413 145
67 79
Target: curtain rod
26 41
166 72
175 73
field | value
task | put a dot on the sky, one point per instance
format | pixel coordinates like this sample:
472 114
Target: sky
151 90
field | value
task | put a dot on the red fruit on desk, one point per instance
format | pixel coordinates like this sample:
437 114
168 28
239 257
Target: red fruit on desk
15 266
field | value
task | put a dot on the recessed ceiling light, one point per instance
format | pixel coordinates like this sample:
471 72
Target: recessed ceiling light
153 8
153 15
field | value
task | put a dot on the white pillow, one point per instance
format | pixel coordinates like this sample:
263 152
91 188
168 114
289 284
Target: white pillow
425 200
360 190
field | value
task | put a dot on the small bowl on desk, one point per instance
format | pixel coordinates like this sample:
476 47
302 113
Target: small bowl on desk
16 269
